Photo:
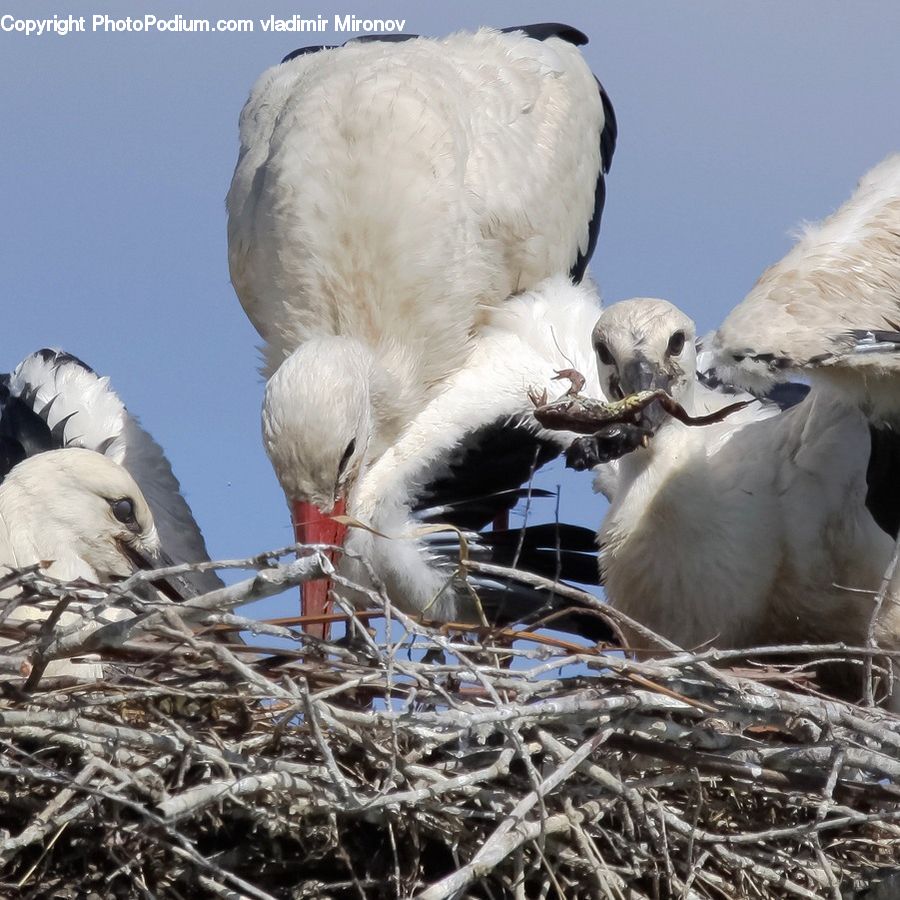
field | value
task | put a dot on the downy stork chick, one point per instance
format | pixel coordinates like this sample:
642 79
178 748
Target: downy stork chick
79 510
644 345
52 400
830 309
85 516
749 532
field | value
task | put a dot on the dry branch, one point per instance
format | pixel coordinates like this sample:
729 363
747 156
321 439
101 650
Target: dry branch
429 762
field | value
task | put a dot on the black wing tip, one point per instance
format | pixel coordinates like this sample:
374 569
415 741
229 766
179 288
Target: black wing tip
549 535
541 31
787 393
608 136
23 432
610 133
774 362
558 551
486 471
513 604
305 51
24 429
579 270
882 481
60 358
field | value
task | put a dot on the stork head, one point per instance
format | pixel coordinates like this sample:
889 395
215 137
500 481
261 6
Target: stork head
644 344
79 503
317 423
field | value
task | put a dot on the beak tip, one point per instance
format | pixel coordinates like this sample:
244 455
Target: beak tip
312 526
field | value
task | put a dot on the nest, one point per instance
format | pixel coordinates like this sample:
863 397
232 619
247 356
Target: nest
410 761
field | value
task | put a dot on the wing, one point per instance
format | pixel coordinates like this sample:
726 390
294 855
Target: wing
54 400
477 437
883 479
828 301
483 476
470 456
554 550
608 135
502 138
487 475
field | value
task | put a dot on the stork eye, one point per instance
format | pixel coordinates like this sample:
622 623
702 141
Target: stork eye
676 344
346 457
603 352
123 510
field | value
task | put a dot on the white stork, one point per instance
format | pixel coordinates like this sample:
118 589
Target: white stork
53 400
750 532
831 308
777 529
81 515
388 200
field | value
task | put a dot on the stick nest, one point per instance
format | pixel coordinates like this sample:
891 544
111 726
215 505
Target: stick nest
429 763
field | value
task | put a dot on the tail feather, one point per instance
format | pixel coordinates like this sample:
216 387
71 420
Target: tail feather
510 603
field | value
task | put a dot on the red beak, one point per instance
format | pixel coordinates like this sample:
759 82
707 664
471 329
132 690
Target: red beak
312 526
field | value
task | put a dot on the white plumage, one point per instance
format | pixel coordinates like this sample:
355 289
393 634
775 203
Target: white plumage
387 202
386 192
831 307
519 349
749 532
55 401
79 515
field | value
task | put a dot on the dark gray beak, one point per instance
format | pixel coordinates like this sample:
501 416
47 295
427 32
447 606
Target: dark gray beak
175 587
639 374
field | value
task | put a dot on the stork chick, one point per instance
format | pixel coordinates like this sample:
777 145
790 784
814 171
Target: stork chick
79 515
748 532
53 400
830 309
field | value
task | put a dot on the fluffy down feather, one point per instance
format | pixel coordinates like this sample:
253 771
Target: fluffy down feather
820 308
56 509
749 532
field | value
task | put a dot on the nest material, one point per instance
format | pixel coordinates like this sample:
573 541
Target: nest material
435 763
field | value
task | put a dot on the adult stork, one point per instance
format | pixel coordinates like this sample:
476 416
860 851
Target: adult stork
750 532
388 201
52 400
77 514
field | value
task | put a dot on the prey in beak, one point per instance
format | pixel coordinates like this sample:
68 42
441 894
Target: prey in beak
644 346
640 374
646 359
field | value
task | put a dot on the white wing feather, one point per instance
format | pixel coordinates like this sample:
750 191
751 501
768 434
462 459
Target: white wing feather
460 170
96 419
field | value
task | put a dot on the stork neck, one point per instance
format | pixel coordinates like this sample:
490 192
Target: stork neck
396 395
662 452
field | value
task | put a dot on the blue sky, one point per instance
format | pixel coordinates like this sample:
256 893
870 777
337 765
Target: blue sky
737 121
